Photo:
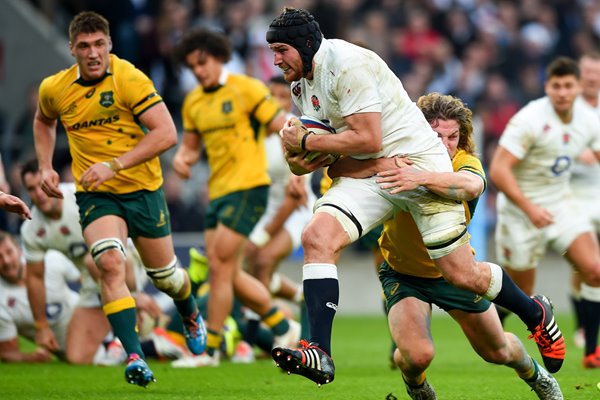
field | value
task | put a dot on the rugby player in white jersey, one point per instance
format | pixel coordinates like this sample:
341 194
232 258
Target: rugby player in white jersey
55 226
586 175
15 314
365 102
531 169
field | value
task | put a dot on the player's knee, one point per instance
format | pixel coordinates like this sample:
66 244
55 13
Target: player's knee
108 253
592 276
169 279
315 241
416 359
76 357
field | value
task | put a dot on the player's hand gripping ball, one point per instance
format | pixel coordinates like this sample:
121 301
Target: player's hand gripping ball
315 126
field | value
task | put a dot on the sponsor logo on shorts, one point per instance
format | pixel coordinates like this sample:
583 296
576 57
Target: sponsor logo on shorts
161 220
89 210
395 288
477 299
331 305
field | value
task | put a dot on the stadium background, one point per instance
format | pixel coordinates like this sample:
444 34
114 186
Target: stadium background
491 54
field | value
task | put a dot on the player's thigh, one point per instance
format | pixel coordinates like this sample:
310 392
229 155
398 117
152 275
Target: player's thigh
441 222
359 205
155 252
519 244
101 216
584 255
87 329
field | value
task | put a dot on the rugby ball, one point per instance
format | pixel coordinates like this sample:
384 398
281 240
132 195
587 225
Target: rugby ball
318 127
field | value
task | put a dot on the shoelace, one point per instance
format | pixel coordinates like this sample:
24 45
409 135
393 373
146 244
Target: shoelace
542 338
192 327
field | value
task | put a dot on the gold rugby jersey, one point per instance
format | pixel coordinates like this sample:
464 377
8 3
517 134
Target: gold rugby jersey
101 119
231 120
401 243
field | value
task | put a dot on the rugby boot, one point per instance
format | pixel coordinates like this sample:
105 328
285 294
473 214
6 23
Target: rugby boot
592 360
137 371
309 361
194 332
545 386
423 392
548 336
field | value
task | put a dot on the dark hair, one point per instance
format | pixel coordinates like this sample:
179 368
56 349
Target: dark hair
29 167
562 66
214 43
279 79
87 22
299 29
449 108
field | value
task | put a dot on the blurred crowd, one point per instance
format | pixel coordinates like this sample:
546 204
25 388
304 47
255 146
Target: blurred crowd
491 54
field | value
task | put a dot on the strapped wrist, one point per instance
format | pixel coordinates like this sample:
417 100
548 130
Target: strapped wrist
303 141
115 165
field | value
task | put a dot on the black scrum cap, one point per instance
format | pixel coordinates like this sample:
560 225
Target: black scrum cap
299 29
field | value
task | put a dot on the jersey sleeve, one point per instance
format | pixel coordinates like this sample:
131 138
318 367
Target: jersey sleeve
46 99
32 250
261 105
470 163
137 90
186 116
518 136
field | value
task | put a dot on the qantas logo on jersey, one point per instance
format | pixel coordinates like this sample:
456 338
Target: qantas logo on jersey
65 230
566 138
41 232
106 99
95 122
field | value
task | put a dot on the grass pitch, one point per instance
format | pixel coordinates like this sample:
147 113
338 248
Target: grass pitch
361 346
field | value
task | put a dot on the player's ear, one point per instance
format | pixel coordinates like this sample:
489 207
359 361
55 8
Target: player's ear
71 48
109 45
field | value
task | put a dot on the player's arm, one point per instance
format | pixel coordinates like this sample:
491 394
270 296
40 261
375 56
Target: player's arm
10 352
363 136
44 135
36 293
161 136
14 204
188 154
277 123
459 185
503 177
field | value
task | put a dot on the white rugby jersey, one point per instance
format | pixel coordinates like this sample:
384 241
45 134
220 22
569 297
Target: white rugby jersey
349 79
41 234
586 178
547 147
15 314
